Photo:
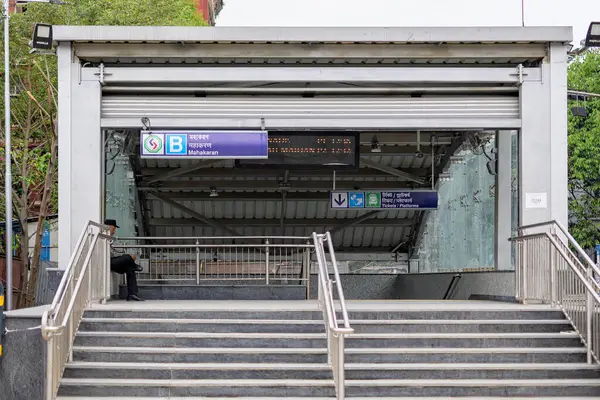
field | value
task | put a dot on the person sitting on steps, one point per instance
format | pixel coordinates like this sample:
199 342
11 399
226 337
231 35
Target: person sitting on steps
124 264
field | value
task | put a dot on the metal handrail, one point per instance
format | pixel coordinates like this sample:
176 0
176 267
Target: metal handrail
570 239
335 333
82 283
551 275
276 260
210 237
455 279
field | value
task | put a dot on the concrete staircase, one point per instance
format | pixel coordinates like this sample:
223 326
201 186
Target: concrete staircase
401 350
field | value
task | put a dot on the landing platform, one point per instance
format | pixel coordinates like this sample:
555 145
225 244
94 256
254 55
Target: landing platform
312 305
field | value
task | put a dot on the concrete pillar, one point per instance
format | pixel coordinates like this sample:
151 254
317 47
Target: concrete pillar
503 201
80 153
543 143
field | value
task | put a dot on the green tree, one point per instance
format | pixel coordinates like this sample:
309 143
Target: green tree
34 107
584 151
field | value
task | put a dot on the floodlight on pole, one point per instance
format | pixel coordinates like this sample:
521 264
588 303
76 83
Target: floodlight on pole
593 35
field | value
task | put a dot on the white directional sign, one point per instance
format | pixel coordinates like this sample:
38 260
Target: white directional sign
339 199
385 199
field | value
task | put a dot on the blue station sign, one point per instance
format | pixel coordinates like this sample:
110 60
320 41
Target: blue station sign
385 199
205 144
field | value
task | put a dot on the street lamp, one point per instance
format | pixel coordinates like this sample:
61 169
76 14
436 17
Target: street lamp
593 36
7 144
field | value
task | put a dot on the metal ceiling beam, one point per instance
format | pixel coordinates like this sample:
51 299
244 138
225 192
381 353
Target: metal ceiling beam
391 171
277 73
263 185
179 171
96 51
275 222
197 217
275 173
331 123
357 221
247 196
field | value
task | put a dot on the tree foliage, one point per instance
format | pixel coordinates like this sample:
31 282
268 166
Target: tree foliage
34 104
584 152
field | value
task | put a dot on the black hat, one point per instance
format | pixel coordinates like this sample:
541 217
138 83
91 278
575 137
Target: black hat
111 222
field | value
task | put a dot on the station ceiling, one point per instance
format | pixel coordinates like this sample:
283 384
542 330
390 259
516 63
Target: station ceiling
176 195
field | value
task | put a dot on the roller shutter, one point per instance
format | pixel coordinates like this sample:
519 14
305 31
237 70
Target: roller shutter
308 112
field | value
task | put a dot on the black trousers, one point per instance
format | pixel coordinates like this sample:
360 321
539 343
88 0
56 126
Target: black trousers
126 265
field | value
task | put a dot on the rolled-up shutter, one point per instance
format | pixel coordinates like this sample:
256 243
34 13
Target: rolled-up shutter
237 111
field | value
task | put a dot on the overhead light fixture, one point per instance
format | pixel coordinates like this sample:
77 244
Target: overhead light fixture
375 146
593 36
579 111
214 192
42 37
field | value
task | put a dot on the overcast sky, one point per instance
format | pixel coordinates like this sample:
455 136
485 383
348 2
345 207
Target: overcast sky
576 13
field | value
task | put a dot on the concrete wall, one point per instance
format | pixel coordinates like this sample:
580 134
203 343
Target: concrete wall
423 286
23 363
434 286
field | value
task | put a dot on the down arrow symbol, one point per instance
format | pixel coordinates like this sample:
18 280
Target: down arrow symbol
340 200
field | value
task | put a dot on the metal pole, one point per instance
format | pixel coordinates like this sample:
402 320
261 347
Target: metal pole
267 262
8 161
197 262
589 314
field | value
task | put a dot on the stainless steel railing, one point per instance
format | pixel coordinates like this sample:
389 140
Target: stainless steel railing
86 279
335 333
187 260
552 268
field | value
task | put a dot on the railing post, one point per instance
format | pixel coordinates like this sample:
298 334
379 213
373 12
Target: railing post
341 376
589 314
306 262
553 277
197 262
104 273
524 272
90 292
70 327
49 392
267 262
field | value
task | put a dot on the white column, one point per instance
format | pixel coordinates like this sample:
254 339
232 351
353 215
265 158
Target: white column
503 201
543 143
80 151
65 79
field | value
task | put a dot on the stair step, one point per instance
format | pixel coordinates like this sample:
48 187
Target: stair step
182 370
472 387
319 355
463 350
318 398
204 335
201 325
127 324
186 321
282 388
349 366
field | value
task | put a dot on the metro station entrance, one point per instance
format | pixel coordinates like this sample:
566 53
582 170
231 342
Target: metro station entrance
393 202
416 155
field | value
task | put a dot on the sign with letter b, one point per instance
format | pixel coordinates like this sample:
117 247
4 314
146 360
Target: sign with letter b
176 144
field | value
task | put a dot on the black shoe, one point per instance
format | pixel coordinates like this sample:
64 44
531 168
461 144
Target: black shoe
133 297
138 268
